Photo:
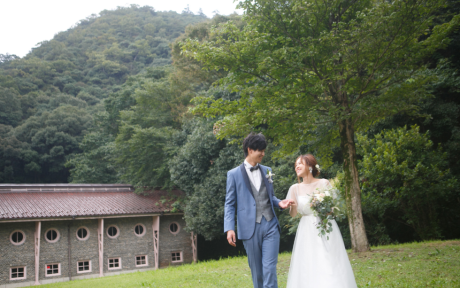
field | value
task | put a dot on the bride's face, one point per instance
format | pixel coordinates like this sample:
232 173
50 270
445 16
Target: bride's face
300 168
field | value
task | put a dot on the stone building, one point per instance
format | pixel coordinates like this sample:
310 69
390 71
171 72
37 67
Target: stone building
60 232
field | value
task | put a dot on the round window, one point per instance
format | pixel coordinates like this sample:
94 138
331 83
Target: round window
17 237
52 235
82 233
112 231
139 230
174 228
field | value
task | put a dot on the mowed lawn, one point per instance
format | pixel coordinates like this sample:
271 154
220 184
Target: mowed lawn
428 264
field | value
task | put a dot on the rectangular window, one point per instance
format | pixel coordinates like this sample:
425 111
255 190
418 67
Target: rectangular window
53 269
176 256
17 273
114 263
83 266
141 260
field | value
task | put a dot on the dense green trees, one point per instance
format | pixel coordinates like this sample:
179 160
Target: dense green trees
96 163
335 66
405 179
78 68
10 107
141 121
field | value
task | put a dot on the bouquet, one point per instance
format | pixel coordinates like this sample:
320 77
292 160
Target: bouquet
327 204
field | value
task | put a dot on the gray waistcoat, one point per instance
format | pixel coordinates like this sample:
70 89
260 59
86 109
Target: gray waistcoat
263 205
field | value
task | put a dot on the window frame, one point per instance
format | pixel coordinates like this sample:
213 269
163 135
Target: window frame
57 237
23 238
181 255
143 233
52 275
146 260
114 268
178 228
84 271
87 235
18 278
118 231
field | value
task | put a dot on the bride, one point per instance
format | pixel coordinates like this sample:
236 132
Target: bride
316 261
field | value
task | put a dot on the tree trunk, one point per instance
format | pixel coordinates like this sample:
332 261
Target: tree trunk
359 242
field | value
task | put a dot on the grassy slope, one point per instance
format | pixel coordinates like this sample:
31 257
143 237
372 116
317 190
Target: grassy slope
429 264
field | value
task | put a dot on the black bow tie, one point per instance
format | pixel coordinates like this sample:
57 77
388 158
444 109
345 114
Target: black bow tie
254 168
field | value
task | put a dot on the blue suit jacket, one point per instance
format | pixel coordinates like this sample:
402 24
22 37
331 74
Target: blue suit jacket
239 197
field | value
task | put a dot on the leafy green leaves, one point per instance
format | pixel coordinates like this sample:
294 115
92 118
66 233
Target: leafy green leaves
301 64
404 174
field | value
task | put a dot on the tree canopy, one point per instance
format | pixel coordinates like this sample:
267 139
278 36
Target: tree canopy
319 71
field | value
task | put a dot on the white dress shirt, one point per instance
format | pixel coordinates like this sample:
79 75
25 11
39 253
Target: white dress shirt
255 176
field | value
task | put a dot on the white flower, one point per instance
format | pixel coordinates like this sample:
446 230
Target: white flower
269 176
335 193
317 167
327 193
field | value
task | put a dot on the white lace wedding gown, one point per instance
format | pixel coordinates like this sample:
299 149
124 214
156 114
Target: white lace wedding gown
316 261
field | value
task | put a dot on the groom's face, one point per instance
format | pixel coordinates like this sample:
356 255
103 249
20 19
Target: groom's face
256 155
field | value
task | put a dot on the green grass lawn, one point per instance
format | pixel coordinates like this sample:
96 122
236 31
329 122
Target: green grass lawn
428 264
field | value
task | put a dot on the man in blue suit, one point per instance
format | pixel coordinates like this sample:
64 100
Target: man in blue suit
250 194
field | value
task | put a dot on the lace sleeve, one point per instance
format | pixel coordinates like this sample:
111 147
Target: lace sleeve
330 188
292 194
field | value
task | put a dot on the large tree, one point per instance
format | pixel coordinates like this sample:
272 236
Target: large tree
317 72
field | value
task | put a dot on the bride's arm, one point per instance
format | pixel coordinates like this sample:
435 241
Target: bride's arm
293 208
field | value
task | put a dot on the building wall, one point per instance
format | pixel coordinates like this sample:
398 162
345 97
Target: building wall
58 252
21 255
127 246
172 243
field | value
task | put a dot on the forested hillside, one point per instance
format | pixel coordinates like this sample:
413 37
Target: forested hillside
49 98
118 98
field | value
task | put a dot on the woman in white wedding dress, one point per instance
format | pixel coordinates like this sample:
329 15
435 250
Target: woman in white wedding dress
316 261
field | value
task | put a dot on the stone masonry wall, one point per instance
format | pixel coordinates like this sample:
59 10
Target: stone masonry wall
21 255
80 249
174 243
127 246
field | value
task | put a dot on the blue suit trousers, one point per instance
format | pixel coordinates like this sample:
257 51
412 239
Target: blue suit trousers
262 249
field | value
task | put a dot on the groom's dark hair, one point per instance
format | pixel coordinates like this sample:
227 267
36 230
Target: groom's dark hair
255 142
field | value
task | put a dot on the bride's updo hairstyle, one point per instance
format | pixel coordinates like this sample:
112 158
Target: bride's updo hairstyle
309 161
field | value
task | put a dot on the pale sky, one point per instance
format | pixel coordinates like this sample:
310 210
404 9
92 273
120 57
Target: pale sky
25 23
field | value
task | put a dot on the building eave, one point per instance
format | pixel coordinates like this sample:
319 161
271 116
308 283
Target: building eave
86 217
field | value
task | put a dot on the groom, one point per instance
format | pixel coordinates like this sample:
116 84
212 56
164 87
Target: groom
250 194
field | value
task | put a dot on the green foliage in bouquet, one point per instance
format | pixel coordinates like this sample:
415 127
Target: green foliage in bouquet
327 204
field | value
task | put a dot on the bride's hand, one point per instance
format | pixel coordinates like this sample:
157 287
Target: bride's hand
286 203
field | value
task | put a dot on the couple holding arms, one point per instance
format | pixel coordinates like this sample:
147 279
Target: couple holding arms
316 261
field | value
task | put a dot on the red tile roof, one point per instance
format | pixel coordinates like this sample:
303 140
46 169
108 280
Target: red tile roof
74 200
